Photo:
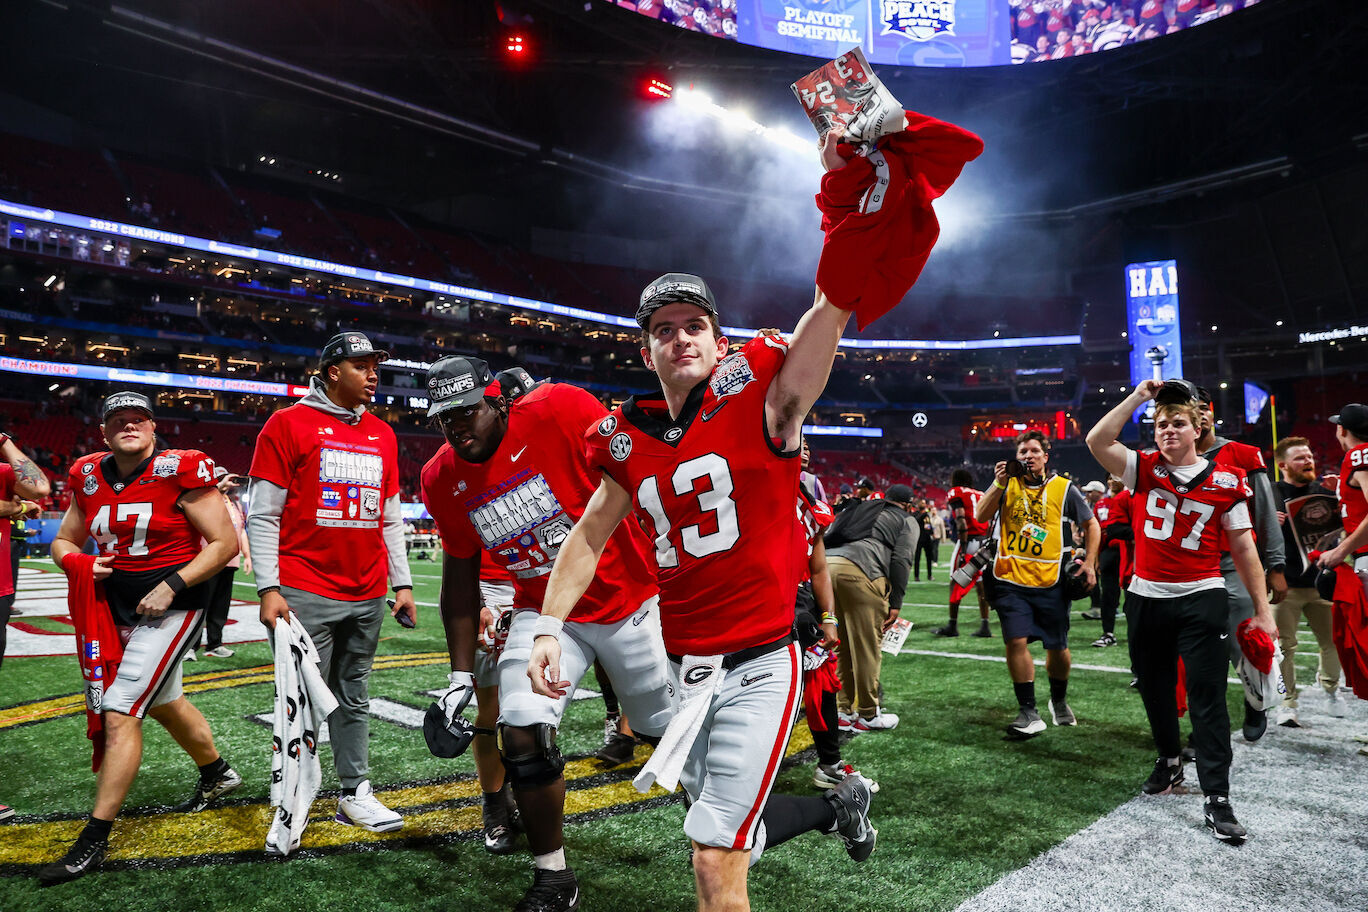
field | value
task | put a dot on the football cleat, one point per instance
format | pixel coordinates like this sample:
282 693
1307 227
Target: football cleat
830 775
551 891
949 630
6 812
1105 640
1061 714
206 793
619 750
1255 723
365 810
501 824
83 857
1164 777
850 800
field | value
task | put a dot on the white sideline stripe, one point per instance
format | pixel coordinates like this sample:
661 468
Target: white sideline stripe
1039 663
1292 789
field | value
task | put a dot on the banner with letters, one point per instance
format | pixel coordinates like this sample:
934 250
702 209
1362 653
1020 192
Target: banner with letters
1152 321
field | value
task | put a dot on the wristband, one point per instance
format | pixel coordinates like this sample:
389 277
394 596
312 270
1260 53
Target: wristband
999 485
176 583
547 626
828 619
398 588
261 592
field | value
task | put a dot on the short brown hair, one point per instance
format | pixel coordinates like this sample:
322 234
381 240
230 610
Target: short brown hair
1287 443
1192 410
716 328
1034 435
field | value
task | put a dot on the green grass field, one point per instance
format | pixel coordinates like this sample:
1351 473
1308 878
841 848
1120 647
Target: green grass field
959 806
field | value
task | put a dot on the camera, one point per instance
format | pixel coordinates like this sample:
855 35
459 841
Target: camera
972 569
1016 468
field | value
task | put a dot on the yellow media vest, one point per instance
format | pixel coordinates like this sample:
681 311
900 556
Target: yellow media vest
1031 537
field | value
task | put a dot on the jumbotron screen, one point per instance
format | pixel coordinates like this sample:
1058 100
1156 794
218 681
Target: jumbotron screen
938 33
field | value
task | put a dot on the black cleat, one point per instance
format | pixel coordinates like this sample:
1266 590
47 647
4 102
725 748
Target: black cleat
850 800
949 630
619 749
1221 818
83 857
551 891
1255 723
983 631
502 824
206 793
1164 777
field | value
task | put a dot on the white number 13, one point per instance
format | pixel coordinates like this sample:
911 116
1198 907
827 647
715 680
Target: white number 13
717 501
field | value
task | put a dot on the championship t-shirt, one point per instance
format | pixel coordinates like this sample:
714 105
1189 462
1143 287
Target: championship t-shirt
1178 513
1353 506
967 500
519 505
6 527
337 477
138 518
717 496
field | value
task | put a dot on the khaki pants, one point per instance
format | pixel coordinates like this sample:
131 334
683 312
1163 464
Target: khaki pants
1318 613
861 608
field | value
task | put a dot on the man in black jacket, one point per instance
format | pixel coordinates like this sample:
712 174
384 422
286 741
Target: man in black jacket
1308 511
869 576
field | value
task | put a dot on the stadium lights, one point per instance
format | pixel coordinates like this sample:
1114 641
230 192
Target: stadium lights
696 100
657 90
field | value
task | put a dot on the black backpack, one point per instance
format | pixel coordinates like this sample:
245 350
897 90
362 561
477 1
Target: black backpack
856 522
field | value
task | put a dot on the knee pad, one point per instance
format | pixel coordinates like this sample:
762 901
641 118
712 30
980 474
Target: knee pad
540 765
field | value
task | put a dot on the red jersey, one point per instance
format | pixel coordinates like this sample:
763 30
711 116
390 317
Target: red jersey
337 477
718 494
1353 506
6 527
813 518
967 499
1113 509
519 505
1248 459
138 518
1178 525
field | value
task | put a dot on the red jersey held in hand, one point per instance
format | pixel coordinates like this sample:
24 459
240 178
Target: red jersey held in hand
967 500
337 477
138 518
718 495
1177 523
1353 506
519 505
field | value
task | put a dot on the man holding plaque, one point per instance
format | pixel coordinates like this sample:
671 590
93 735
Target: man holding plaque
1309 513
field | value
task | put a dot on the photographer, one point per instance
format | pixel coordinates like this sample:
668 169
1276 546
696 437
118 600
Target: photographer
1029 590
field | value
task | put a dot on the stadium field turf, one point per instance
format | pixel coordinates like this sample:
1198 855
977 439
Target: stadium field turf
959 809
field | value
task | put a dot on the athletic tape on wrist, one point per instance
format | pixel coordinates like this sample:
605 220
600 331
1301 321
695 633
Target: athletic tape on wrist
547 626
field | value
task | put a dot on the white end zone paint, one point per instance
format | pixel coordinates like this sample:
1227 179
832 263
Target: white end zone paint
42 593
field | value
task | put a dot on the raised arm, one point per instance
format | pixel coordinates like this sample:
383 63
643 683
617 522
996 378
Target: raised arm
29 480
1102 440
806 368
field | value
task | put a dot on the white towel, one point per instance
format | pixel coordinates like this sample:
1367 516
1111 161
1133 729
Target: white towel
700 679
303 703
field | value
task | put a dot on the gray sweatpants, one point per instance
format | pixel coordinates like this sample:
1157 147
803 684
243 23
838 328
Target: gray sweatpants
1240 603
345 635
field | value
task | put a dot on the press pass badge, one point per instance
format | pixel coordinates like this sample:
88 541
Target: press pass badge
1035 533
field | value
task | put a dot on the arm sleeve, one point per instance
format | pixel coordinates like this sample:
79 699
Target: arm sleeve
1266 529
1131 473
900 559
394 544
263 532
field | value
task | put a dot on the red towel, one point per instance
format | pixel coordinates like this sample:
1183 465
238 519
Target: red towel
1349 629
876 244
821 680
1256 645
98 645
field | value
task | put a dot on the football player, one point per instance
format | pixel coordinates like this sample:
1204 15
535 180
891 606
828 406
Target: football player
147 510
326 531
970 536
507 486
1266 532
1351 430
1176 602
710 466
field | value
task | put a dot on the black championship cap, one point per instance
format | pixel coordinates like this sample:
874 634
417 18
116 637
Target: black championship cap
1178 390
441 740
125 400
458 382
672 287
865 483
349 345
1354 419
514 382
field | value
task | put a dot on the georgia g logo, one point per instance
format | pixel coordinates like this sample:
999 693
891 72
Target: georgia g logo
919 20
